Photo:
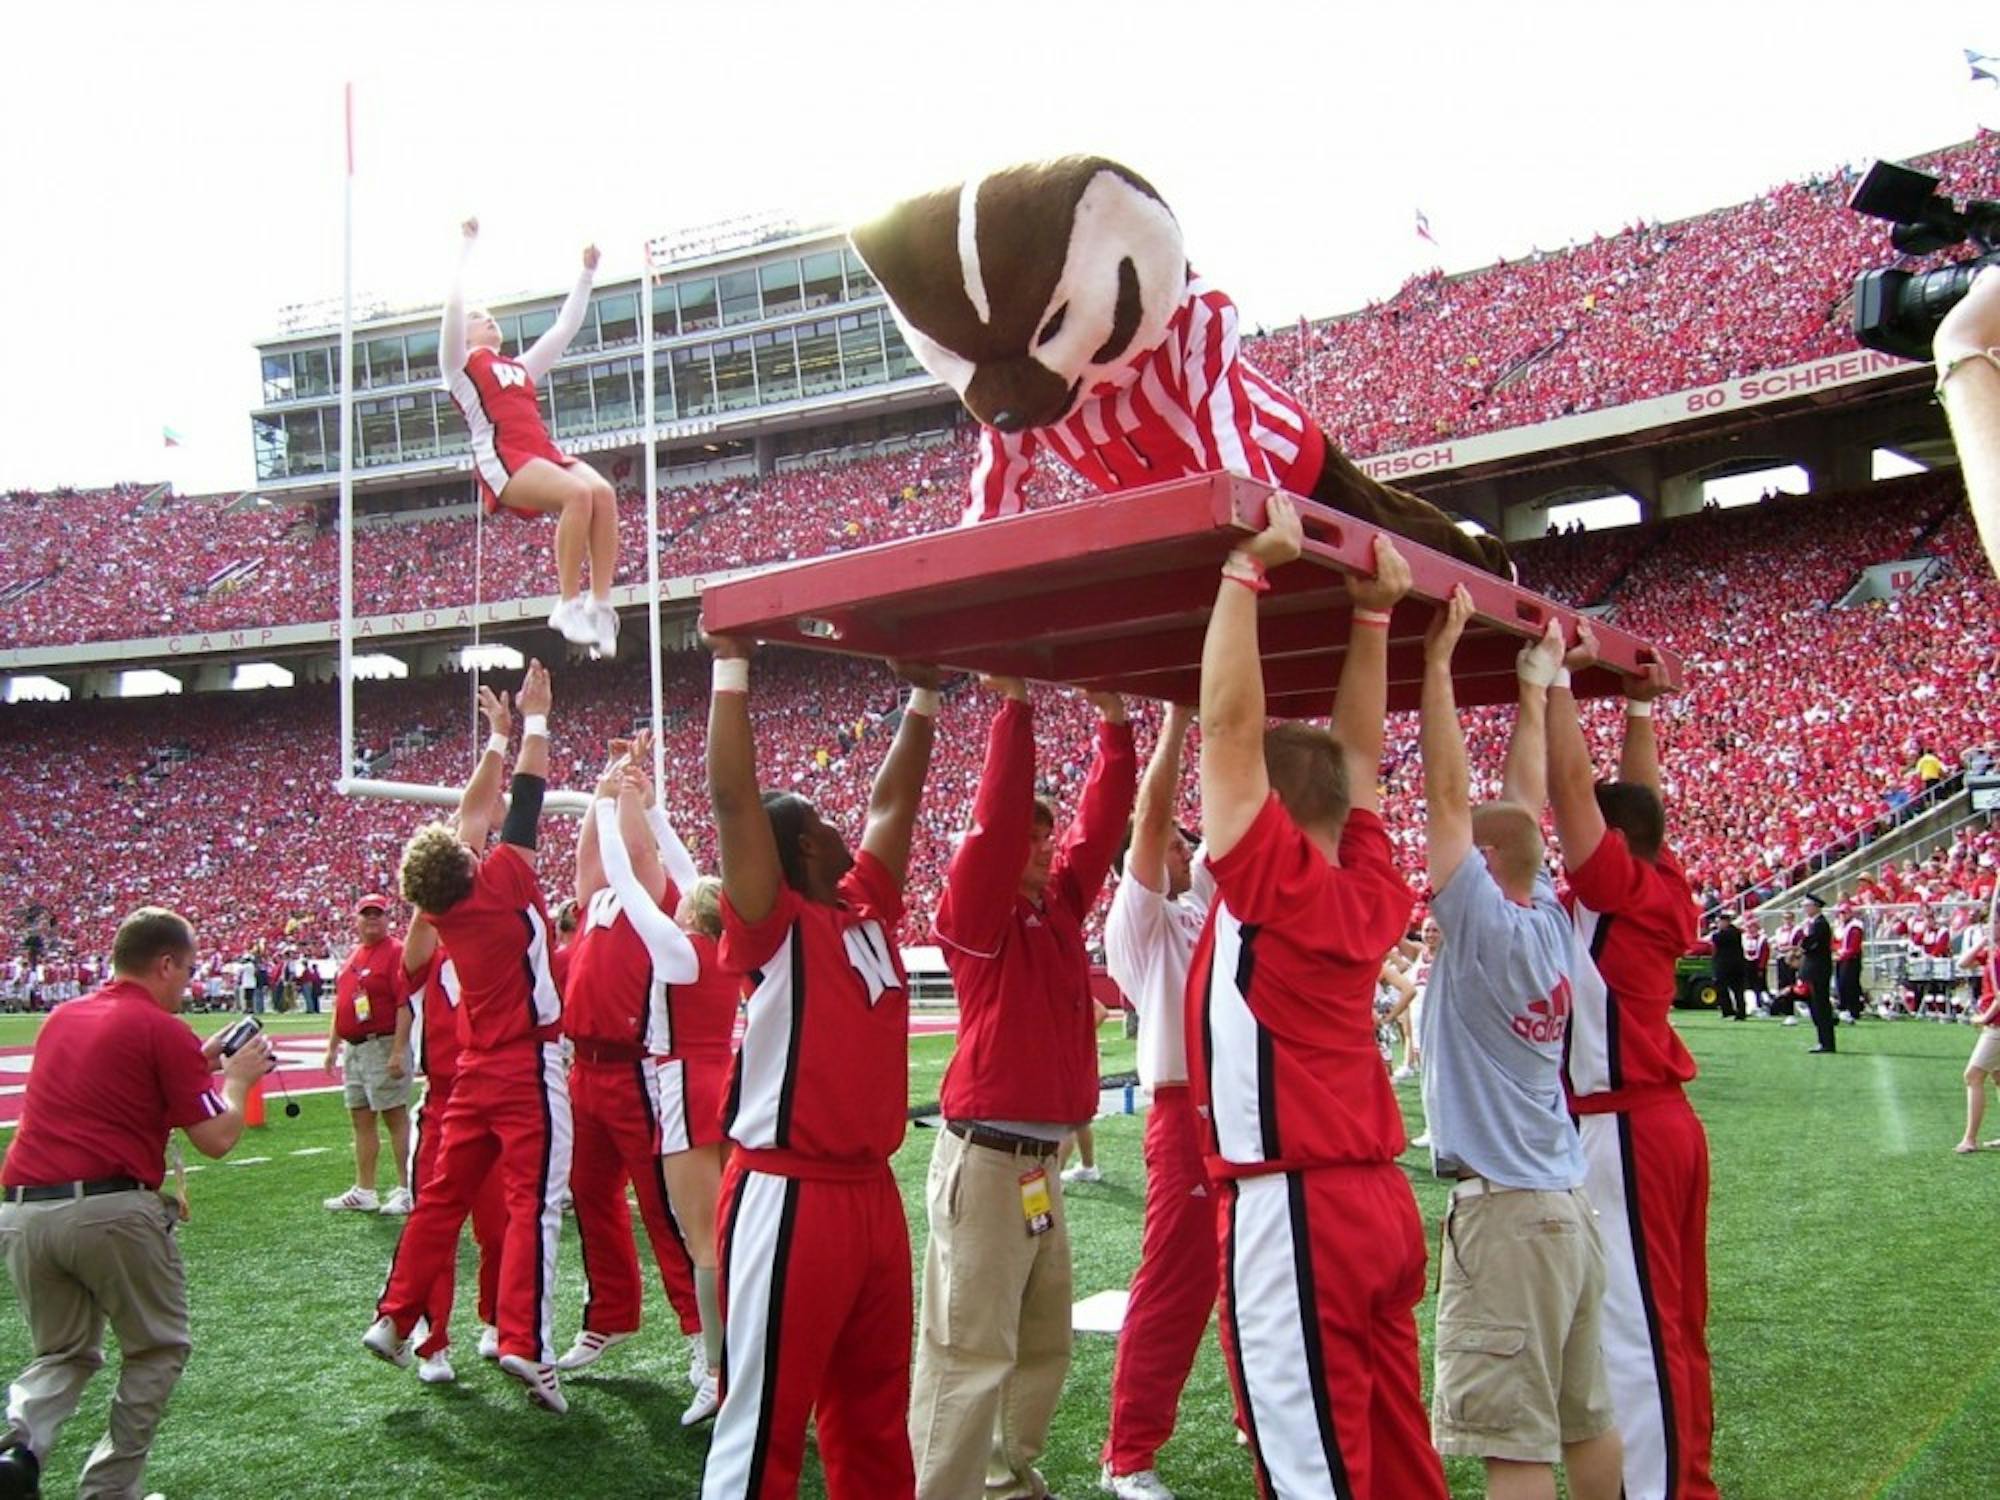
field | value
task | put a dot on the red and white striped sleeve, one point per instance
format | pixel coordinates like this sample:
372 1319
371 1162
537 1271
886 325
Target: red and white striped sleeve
1006 459
1218 398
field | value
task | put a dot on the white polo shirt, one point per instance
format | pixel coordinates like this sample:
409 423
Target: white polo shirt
1149 943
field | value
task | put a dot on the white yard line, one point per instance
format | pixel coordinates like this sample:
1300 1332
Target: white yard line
1896 1123
246 1161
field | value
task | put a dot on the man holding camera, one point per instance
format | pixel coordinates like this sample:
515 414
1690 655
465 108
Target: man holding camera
87 1237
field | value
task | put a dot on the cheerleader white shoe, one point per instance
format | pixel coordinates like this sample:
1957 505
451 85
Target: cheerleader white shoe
571 619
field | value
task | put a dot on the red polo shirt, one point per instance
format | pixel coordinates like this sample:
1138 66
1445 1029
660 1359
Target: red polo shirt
368 990
113 1074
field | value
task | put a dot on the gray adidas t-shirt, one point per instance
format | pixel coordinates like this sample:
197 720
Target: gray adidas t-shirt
1494 1019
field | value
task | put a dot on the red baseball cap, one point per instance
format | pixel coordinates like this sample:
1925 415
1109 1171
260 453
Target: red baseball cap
371 903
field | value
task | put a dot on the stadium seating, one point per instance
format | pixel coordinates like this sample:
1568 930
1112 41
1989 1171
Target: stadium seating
1801 723
1652 309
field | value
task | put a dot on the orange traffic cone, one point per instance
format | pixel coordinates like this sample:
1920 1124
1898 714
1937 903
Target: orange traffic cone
253 1107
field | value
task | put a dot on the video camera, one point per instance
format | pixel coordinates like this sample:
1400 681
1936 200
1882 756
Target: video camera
1898 311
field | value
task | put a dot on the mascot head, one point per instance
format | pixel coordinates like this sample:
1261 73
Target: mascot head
1028 288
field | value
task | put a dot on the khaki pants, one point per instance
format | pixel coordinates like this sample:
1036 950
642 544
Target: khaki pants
993 1341
77 1263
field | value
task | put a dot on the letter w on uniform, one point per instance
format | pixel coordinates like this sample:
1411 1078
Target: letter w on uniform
506 375
868 950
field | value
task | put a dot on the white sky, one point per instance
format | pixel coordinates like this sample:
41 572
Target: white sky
171 173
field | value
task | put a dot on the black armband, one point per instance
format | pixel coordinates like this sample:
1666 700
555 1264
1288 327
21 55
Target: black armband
524 810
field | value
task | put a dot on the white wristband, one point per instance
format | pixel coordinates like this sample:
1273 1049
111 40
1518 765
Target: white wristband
496 744
730 674
924 701
1636 709
1562 677
534 724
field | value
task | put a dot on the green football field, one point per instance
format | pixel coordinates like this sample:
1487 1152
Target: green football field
1853 1266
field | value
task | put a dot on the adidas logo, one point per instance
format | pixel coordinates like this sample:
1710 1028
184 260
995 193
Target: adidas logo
1546 1020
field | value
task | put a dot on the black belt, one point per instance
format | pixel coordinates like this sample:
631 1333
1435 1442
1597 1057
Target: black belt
1003 1140
55 1191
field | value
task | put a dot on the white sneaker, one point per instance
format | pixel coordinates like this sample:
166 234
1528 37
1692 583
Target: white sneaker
356 1200
1144 1485
382 1341
604 621
398 1204
1400 1075
706 1400
1083 1174
697 1360
571 620
1791 1020
489 1341
435 1369
589 1348
543 1389
1422 1142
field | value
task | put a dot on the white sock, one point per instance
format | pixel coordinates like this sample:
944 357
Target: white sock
598 596
709 1300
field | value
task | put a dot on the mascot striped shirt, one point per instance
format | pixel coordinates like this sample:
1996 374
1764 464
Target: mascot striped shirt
1193 405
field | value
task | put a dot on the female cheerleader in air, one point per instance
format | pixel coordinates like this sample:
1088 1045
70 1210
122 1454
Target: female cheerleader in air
519 467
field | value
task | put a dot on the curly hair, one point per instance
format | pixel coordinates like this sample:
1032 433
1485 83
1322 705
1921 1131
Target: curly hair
437 870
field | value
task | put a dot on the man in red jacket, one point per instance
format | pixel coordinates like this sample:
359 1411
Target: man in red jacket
995 1328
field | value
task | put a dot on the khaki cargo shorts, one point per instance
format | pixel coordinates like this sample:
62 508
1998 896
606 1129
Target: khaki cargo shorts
1521 1290
366 1081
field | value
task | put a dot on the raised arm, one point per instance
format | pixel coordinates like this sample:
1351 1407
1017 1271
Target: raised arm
1091 840
1639 762
1447 784
1362 707
475 803
1967 354
751 874
1159 797
1539 667
419 943
451 332
1572 782
618 818
984 875
542 355
1234 784
899 782
531 765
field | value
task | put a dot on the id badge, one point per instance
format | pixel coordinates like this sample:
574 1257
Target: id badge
361 1007
1036 1206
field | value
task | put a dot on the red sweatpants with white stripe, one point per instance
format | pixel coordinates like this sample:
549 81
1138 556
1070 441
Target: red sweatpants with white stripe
489 1219
1173 1291
816 1302
1647 1173
1322 1271
616 1109
509 1113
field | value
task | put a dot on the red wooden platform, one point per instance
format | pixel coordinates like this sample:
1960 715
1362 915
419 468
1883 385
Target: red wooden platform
1114 593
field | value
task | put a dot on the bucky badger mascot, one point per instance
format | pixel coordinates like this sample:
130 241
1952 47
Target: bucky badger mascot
1056 299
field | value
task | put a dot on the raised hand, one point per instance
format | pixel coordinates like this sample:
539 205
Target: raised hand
1282 537
590 257
534 695
1110 707
918 674
1584 652
727 647
470 228
495 706
1447 626
1390 583
1006 687
1650 684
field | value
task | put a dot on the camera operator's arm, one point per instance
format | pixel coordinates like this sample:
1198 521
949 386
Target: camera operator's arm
1967 351
250 1062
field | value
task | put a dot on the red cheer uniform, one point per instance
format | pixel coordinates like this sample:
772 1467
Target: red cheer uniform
813 1251
433 1000
1646 1162
509 1110
1322 1249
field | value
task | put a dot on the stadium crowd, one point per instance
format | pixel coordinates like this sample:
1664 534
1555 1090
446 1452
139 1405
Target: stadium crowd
1802 723
1651 310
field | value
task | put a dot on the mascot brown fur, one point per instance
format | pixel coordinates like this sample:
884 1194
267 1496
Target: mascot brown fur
1056 299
